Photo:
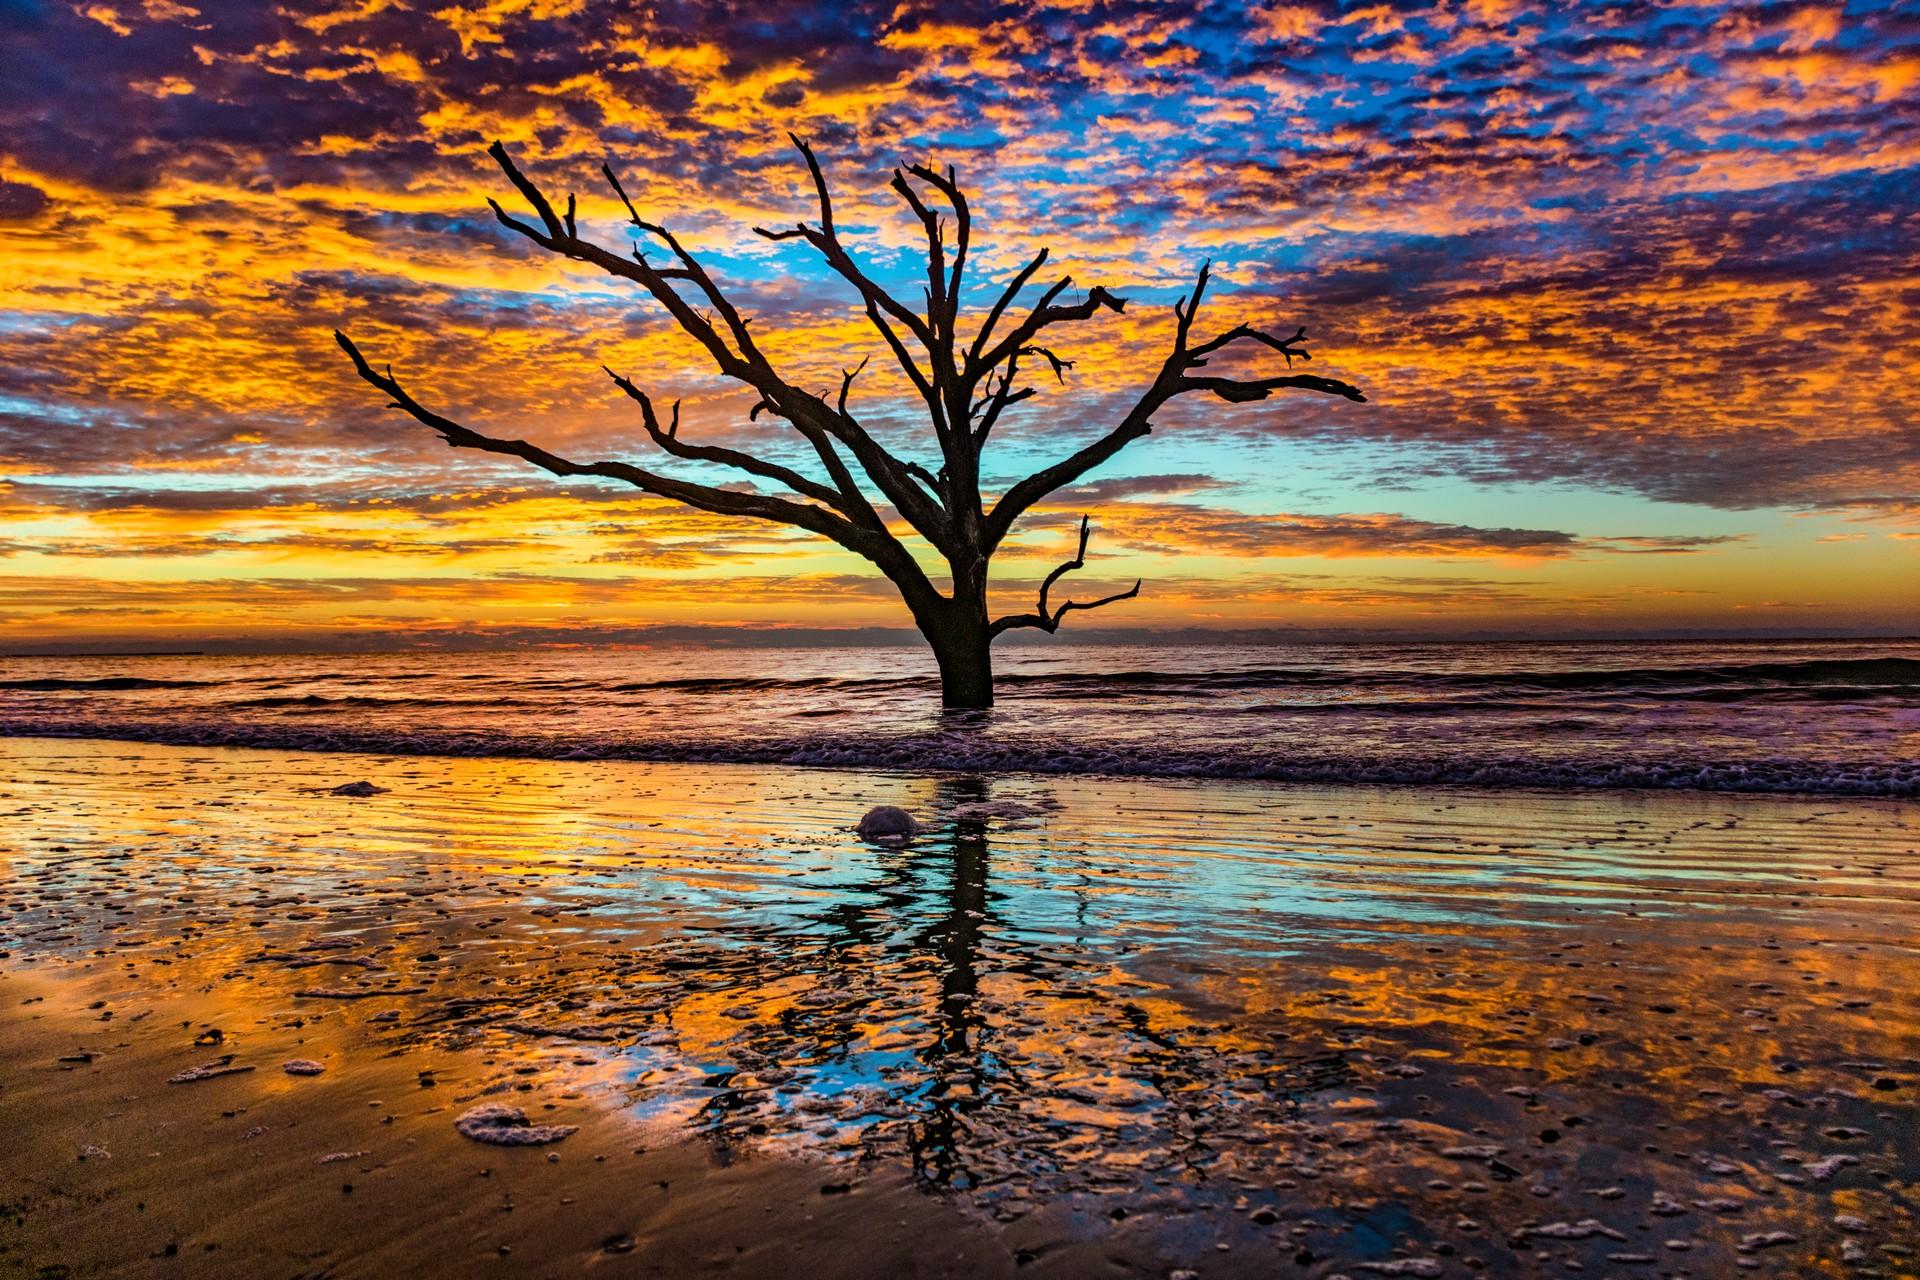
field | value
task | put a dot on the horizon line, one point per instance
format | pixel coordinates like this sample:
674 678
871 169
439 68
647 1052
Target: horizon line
739 637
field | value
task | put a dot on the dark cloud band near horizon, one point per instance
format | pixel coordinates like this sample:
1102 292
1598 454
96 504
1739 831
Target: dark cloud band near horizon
1631 289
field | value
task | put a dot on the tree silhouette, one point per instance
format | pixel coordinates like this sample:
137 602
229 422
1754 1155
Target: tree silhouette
966 387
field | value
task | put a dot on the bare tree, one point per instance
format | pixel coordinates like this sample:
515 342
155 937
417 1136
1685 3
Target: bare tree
966 386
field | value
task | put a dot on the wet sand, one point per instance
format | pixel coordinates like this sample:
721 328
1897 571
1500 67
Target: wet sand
1081 1027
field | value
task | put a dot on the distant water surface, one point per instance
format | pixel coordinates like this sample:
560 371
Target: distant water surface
1815 717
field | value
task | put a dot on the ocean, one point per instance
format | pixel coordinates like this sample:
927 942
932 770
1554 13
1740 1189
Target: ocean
1830 717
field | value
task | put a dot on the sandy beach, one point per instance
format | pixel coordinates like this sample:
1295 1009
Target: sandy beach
1079 1027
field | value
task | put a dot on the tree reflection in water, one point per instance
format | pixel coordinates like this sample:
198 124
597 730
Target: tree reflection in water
910 1017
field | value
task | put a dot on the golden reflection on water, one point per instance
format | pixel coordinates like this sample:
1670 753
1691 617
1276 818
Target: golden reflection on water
1437 1023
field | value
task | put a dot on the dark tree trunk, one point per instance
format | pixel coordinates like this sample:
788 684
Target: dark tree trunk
966 665
963 648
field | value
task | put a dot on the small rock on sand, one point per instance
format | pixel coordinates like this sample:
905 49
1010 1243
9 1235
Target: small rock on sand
505 1126
362 788
887 823
302 1067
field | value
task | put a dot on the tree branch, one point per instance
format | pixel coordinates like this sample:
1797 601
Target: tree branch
936 252
996 403
669 442
999 308
690 269
1285 346
705 497
1172 381
1242 390
884 311
1046 314
1050 622
810 415
827 240
557 239
949 186
846 383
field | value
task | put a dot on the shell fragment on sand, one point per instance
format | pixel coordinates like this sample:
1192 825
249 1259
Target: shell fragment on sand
1823 1170
504 1126
1009 811
567 1031
1584 1229
208 1070
302 1067
1765 1240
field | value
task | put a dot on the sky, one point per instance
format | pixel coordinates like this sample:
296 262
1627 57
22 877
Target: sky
1633 290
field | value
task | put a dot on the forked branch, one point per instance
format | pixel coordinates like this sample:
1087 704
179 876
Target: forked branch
1050 621
669 442
808 414
704 497
1175 379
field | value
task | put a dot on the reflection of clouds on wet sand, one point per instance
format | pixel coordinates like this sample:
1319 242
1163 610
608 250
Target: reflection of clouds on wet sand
1349 1026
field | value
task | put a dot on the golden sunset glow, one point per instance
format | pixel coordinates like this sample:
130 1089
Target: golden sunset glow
1631 294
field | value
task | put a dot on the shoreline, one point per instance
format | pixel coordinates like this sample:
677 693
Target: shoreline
909 758
1081 1027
